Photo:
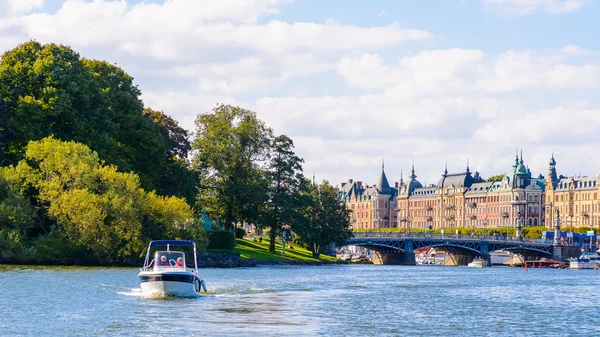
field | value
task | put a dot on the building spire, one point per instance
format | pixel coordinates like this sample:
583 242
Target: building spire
412 172
446 169
314 180
521 161
401 179
468 170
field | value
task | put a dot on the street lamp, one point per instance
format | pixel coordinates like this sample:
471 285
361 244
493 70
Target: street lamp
484 222
517 204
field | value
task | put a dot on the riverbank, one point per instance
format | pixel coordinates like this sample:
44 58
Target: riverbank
248 253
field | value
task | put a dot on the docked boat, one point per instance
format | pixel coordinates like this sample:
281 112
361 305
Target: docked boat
498 258
167 274
587 260
546 263
477 263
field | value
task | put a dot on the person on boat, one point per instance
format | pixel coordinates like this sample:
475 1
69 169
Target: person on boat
179 262
163 261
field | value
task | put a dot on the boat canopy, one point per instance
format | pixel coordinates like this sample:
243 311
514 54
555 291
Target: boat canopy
172 243
167 243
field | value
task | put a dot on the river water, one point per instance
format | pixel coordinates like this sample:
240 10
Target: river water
351 300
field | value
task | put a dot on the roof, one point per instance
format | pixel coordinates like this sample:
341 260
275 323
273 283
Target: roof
581 183
172 243
423 192
382 183
463 179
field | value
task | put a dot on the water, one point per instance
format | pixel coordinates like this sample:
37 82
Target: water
355 300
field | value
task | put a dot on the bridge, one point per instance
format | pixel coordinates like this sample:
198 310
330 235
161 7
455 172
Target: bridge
398 248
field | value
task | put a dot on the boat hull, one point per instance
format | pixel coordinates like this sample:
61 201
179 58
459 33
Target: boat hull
583 264
169 284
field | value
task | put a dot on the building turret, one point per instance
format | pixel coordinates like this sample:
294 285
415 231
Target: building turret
382 183
552 176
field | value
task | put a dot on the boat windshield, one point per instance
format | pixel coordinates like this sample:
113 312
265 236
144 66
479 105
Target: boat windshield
169 259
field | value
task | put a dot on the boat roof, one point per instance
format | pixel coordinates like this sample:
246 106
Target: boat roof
172 243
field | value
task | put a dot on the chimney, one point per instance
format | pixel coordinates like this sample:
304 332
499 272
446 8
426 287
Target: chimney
343 184
359 184
350 181
396 184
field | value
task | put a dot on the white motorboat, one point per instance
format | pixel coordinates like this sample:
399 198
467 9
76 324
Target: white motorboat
477 263
587 260
499 257
167 274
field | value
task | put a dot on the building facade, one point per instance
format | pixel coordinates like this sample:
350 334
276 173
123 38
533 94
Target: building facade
575 197
373 207
458 200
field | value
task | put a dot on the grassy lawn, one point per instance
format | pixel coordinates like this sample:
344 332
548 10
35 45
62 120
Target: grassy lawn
255 250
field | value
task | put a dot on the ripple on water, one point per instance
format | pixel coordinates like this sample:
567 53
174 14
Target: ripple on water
340 300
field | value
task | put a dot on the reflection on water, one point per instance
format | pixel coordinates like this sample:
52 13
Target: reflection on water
360 300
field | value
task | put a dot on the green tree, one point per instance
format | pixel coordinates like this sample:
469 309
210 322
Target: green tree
137 144
16 213
93 205
497 177
231 146
48 90
328 219
285 180
175 176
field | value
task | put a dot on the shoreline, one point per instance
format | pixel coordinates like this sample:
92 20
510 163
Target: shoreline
205 260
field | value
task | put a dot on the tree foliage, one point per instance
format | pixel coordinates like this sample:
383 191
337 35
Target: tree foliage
328 219
175 177
230 149
497 177
92 205
285 184
50 90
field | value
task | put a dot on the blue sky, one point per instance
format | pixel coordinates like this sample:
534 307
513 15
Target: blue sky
353 82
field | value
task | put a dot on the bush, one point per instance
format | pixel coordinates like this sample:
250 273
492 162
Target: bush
221 240
239 233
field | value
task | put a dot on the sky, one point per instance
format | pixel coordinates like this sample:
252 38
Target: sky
355 83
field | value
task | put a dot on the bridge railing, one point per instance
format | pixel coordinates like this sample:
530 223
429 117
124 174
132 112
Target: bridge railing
445 236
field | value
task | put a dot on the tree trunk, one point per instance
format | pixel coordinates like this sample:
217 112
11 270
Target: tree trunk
228 219
272 233
316 250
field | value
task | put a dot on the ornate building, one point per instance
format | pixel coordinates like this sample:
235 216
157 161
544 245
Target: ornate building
465 200
373 207
575 197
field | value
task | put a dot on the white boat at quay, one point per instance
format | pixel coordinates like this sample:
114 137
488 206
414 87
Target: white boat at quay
167 274
477 263
587 260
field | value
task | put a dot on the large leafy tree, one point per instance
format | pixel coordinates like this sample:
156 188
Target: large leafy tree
230 150
285 182
50 90
93 205
327 219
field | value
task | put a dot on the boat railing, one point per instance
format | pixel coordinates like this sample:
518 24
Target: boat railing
153 267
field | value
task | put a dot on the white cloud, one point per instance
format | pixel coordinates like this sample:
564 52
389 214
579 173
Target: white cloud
15 7
455 71
528 7
381 14
178 30
348 95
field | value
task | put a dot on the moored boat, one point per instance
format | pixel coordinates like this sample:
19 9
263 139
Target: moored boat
546 263
587 260
477 263
167 274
